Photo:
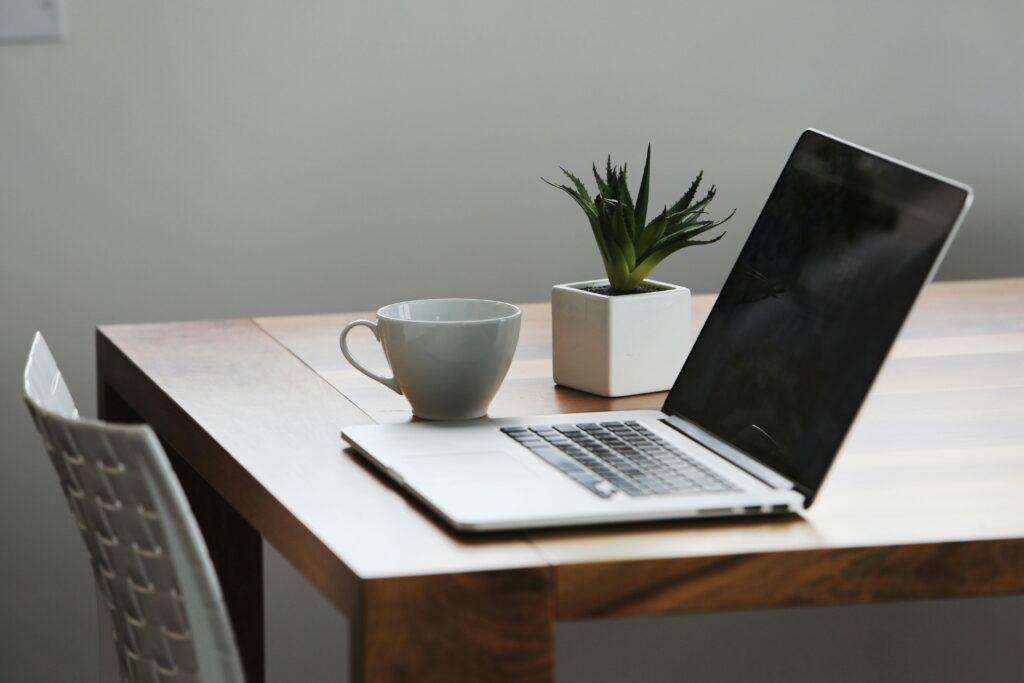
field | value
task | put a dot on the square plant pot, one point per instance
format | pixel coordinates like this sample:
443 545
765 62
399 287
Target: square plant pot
619 345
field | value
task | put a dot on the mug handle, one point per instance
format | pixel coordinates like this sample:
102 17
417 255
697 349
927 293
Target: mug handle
389 382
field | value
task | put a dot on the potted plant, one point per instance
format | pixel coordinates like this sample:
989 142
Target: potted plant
628 334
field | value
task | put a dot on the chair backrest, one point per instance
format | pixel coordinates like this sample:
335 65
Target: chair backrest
147 553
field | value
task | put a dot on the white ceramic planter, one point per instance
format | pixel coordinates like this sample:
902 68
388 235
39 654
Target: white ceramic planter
619 345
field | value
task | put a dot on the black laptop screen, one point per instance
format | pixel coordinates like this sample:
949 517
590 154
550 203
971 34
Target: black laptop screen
813 304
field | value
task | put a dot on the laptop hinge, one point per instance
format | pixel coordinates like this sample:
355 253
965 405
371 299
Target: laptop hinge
733 455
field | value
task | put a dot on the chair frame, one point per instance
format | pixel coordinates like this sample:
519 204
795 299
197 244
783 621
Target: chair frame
159 604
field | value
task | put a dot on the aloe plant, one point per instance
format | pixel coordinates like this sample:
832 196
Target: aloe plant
630 247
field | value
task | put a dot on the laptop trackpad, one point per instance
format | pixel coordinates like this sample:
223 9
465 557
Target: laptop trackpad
462 468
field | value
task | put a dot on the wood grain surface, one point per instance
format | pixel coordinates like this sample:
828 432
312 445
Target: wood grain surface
265 432
485 627
924 500
936 456
804 577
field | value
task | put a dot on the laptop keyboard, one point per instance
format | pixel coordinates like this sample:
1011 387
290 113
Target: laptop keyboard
619 456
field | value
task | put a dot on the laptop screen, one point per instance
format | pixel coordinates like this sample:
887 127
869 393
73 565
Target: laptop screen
813 304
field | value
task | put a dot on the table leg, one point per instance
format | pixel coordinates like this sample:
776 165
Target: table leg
482 627
235 547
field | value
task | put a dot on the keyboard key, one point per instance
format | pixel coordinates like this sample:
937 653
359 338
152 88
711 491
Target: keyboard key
599 488
557 458
635 490
619 457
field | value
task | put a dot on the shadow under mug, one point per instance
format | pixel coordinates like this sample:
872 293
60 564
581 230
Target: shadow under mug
447 356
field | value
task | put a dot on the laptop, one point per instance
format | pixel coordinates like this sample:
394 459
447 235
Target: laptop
845 243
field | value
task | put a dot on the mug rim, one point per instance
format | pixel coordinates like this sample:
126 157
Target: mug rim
515 312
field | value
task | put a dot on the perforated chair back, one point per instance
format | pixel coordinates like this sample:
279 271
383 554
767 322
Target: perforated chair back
152 569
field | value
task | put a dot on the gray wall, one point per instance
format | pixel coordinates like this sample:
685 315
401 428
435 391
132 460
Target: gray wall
189 159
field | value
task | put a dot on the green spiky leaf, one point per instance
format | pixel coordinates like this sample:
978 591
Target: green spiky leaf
684 201
640 213
602 186
630 247
578 184
652 233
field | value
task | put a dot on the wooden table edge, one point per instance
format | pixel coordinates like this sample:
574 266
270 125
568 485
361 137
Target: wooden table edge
799 577
119 377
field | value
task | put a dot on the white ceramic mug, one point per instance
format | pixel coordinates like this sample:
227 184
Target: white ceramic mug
447 356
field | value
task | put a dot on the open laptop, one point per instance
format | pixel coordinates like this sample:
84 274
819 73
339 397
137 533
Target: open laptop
841 250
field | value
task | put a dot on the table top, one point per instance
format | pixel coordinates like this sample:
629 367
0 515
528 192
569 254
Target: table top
930 476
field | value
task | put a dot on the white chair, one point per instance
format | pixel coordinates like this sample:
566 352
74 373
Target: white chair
157 593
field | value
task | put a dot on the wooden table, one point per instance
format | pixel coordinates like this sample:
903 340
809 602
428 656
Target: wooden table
926 499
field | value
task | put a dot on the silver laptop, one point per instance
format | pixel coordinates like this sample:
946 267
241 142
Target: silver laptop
844 245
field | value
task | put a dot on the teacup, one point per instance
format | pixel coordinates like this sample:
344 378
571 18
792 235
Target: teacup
447 356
